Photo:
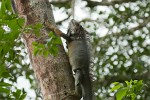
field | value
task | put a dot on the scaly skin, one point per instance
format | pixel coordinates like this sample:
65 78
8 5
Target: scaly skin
79 58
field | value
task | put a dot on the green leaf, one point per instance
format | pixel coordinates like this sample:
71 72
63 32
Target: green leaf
133 95
1 34
12 54
5 84
22 96
34 43
135 81
20 21
4 90
3 7
139 85
6 74
54 50
51 34
117 87
46 53
57 40
129 83
35 52
38 26
115 83
8 5
17 94
2 70
41 46
121 93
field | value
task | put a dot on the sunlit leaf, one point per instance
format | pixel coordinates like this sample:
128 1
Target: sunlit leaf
22 97
121 93
116 87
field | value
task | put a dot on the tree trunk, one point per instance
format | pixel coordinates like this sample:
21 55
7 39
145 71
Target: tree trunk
53 73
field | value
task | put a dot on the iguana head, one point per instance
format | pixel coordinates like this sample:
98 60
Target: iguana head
75 30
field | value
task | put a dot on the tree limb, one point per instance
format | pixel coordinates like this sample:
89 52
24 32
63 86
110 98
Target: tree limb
146 21
92 21
131 30
60 2
119 78
107 3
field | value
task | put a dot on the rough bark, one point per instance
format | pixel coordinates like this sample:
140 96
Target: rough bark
53 73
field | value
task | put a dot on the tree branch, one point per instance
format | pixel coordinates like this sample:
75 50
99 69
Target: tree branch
131 30
146 21
92 21
60 2
110 79
107 3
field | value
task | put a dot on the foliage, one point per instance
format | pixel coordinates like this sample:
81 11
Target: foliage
130 90
9 55
18 94
13 54
51 46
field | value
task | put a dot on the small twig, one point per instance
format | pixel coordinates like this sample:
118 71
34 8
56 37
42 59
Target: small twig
91 20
